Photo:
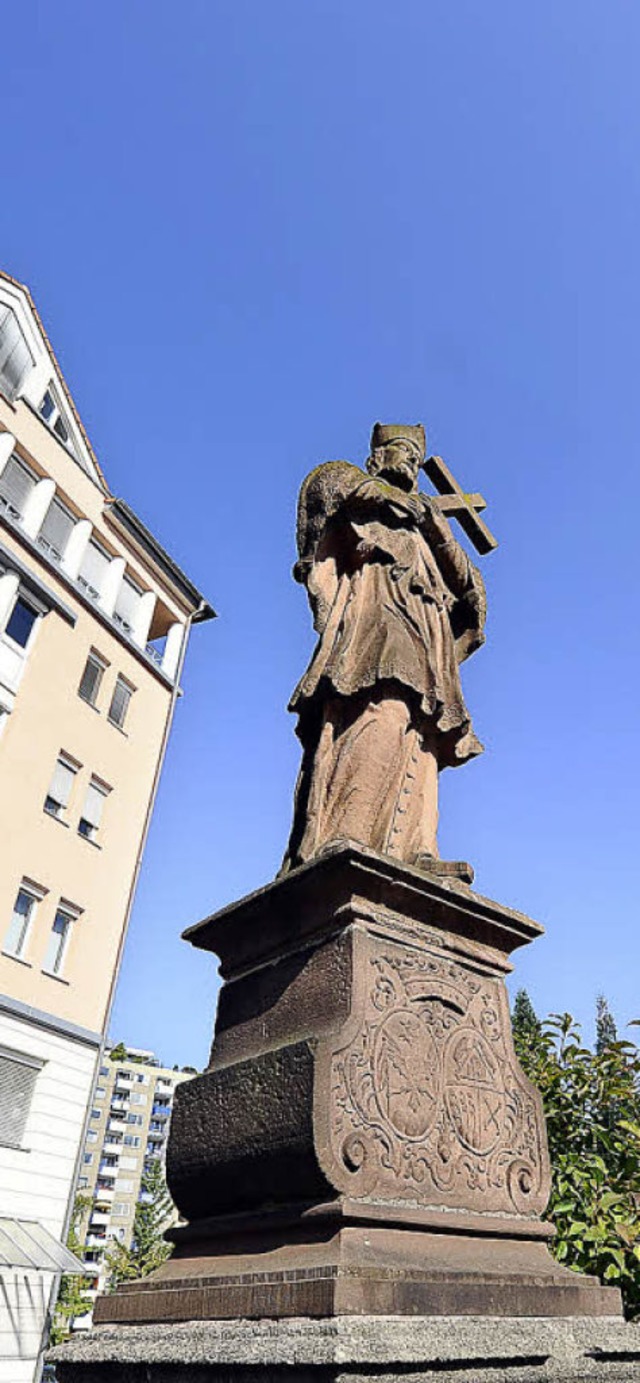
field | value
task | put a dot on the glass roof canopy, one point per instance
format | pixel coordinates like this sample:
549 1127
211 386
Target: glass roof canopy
27 1244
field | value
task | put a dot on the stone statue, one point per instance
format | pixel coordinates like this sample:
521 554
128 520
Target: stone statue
397 605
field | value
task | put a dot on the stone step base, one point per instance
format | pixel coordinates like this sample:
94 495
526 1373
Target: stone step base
357 1350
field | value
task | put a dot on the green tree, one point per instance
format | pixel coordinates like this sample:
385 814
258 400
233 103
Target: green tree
71 1300
118 1053
606 1030
148 1249
595 1195
524 1020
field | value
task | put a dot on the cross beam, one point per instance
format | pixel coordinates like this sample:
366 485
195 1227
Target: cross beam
453 502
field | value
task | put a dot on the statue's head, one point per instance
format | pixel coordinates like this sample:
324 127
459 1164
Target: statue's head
397 453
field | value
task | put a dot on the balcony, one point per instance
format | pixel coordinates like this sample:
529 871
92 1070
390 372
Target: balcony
157 1134
103 1194
117 1126
122 1082
104 1170
160 1111
112 1148
95 1241
99 1219
118 1104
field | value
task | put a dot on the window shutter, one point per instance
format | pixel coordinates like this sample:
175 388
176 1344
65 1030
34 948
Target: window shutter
94 566
62 783
90 680
94 805
127 602
56 944
56 529
120 702
16 484
17 1081
15 356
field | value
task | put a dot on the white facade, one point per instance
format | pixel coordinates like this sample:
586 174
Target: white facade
36 1176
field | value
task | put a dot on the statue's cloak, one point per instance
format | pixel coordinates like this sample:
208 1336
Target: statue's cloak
396 606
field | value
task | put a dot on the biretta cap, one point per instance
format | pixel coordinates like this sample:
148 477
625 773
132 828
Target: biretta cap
385 433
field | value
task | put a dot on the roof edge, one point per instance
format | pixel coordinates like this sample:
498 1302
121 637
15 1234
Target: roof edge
124 516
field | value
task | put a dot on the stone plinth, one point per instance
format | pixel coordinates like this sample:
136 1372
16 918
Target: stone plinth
364 1141
357 1350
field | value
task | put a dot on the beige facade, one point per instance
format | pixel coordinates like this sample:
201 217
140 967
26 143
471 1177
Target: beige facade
94 623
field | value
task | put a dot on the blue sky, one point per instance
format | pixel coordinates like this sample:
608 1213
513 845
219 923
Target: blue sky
252 230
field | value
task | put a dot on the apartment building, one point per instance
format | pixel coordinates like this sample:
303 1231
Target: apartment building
128 1128
95 617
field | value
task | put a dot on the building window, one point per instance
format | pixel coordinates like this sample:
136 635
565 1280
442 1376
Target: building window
91 678
131 1140
24 909
88 1159
56 530
15 357
122 694
95 564
127 603
95 1113
121 1209
51 413
59 940
18 1074
57 798
100 1092
89 824
134 1118
92 1136
16 483
20 623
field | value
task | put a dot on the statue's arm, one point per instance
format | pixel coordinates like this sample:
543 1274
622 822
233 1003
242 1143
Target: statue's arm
462 578
373 499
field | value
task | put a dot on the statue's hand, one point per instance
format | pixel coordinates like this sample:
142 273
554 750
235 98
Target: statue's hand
408 506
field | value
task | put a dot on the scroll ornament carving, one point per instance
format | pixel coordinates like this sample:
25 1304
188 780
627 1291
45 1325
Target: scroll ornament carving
428 1102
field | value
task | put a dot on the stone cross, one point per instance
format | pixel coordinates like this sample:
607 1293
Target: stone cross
453 502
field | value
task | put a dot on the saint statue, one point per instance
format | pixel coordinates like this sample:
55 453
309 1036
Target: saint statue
397 605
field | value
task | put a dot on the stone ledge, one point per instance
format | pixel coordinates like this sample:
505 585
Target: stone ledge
445 1349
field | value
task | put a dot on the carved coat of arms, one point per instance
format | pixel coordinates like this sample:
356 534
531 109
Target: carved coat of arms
427 1099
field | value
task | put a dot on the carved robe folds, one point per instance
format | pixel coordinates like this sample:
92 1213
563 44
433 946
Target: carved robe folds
397 605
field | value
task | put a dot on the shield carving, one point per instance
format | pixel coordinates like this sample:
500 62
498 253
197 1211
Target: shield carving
406 1080
474 1091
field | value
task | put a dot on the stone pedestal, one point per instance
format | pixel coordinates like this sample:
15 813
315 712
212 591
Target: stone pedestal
363 1167
364 1141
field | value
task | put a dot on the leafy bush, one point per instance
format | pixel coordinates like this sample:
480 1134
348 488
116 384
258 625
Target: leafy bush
592 1105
